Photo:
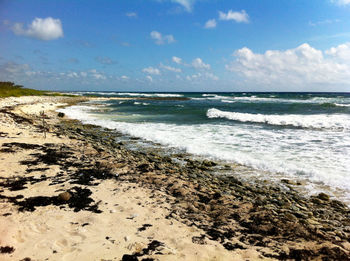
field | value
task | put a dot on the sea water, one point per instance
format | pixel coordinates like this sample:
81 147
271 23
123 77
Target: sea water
301 136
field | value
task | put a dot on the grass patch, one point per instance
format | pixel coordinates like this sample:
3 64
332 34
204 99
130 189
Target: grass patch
10 89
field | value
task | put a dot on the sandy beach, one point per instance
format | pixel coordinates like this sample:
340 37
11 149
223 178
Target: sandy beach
73 192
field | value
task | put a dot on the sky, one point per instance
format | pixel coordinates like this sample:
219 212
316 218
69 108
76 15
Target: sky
176 45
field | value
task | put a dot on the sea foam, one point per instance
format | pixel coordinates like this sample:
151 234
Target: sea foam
316 121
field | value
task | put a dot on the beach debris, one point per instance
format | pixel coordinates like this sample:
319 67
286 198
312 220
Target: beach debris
60 114
44 125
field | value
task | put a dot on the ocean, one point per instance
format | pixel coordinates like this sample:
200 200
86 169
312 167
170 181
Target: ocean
270 136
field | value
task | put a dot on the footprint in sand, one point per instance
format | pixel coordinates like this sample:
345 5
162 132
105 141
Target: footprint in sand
19 237
38 228
60 244
77 237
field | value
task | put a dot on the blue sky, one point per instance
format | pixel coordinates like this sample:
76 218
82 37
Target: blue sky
176 45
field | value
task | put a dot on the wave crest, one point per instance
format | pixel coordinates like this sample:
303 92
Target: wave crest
317 121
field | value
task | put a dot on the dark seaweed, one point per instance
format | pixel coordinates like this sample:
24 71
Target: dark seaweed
80 200
144 227
6 250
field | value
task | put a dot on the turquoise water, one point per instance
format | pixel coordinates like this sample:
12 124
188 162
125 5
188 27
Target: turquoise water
291 135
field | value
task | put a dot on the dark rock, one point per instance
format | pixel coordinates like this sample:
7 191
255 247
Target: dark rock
65 196
60 114
323 196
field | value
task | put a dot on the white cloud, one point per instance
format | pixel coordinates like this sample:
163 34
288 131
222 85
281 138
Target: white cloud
73 75
23 72
169 68
210 24
341 52
341 2
124 77
14 68
43 29
295 67
202 76
97 75
199 64
239 17
211 76
324 22
149 78
162 39
151 70
177 60
131 14
187 4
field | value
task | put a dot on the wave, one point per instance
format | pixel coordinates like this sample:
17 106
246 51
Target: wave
317 121
134 94
340 101
342 105
141 103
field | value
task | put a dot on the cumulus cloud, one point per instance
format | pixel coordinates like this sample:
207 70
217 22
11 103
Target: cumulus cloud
23 72
239 17
45 29
299 66
169 68
340 52
124 77
162 39
187 4
177 60
14 68
149 78
151 70
97 75
341 2
202 76
210 24
199 64
131 14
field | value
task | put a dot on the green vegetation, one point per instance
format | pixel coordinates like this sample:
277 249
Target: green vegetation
8 89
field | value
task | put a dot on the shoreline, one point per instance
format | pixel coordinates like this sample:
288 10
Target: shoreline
221 217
